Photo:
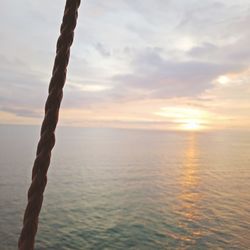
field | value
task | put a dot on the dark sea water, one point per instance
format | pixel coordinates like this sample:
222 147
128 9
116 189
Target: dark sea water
130 189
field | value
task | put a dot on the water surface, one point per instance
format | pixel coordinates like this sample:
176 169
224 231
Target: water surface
130 189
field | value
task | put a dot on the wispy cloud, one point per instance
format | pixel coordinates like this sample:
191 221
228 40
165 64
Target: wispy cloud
130 59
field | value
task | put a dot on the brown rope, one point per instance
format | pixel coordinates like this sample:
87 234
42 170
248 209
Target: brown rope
47 137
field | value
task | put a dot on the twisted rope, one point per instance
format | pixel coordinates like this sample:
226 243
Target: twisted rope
47 136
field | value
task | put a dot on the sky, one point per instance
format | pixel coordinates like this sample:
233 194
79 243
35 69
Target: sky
151 64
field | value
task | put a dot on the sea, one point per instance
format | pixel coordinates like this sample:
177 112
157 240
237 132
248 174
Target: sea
130 189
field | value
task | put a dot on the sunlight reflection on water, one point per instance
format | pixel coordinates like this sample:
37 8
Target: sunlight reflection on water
129 189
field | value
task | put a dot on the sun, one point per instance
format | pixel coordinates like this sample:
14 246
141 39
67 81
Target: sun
185 117
191 125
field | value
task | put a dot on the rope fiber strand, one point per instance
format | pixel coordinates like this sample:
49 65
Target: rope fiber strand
47 136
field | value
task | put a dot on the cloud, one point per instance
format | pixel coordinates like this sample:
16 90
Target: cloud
236 51
20 85
125 52
102 50
164 78
22 112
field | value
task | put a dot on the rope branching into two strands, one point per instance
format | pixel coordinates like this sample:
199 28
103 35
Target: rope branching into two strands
47 137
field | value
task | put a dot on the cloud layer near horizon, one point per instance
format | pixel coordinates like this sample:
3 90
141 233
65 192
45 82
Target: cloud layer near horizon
131 60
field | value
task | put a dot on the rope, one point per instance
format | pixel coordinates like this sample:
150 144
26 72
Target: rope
47 136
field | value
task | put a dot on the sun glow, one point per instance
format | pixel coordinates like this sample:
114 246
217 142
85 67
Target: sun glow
223 80
191 125
186 118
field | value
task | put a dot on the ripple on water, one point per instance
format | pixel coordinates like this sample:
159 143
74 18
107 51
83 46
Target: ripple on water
121 189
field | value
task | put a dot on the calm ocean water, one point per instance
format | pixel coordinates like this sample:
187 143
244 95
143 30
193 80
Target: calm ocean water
130 189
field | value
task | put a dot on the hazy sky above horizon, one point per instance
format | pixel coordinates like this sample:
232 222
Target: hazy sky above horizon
170 64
